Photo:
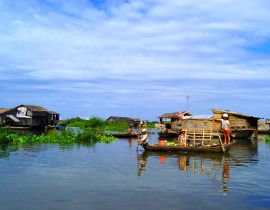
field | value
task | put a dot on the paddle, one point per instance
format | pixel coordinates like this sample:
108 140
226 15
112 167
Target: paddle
222 146
138 134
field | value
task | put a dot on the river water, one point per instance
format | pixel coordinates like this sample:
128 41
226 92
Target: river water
116 176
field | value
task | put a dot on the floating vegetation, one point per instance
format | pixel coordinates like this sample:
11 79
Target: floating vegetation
11 137
89 136
267 139
88 132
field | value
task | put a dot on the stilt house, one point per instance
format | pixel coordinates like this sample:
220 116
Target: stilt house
28 116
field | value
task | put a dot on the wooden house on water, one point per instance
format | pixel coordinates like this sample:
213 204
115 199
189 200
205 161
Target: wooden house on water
264 126
132 121
28 116
242 126
171 120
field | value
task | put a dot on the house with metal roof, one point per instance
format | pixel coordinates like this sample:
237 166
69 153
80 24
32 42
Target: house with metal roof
28 116
132 121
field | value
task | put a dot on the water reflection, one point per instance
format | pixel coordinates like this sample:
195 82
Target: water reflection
4 152
215 166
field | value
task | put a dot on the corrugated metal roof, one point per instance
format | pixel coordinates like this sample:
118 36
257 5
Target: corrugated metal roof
34 108
201 117
175 114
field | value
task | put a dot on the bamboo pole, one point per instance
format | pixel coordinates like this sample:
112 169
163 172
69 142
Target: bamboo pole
203 138
194 136
220 140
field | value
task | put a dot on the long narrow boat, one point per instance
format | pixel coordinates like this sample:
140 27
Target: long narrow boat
210 148
120 135
124 135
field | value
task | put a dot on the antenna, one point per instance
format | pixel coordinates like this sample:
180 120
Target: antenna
188 97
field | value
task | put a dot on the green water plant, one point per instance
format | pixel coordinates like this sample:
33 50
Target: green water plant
267 139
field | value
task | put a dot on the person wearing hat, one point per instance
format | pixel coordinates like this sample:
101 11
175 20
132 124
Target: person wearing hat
144 139
140 127
225 126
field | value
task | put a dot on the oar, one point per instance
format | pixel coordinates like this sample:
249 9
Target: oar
137 141
222 146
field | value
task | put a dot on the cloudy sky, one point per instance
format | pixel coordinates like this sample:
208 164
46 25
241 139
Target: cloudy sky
137 58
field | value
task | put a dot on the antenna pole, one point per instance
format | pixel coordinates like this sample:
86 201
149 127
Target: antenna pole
188 97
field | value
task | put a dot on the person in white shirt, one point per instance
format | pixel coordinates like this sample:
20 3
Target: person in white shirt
144 140
225 126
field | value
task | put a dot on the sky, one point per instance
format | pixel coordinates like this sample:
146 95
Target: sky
136 58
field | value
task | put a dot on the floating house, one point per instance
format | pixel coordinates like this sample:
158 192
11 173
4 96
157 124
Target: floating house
132 121
28 116
264 126
242 125
171 120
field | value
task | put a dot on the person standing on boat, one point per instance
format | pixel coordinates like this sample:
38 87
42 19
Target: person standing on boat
144 140
130 130
225 126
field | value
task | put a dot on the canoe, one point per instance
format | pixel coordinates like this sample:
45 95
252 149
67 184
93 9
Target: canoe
124 135
212 148
120 135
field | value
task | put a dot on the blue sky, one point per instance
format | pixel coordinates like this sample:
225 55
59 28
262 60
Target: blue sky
137 58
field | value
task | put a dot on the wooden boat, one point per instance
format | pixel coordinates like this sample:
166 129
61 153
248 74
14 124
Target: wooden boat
124 135
208 148
120 135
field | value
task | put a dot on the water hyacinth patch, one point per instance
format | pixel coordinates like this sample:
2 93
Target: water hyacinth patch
89 136
266 138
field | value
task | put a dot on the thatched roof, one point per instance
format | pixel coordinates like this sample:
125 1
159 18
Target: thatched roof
175 114
219 111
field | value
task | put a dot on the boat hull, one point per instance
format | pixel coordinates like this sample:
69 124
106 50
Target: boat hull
207 149
120 135
124 135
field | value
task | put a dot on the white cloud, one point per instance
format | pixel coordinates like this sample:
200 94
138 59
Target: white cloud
68 42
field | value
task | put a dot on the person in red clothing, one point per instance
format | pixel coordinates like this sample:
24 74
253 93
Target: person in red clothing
225 126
